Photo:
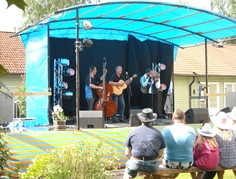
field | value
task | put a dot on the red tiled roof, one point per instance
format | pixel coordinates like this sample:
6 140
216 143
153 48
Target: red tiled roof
221 60
12 53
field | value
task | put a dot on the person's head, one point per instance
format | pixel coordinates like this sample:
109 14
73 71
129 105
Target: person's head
118 70
206 134
147 71
147 116
222 121
206 131
232 115
178 116
223 125
93 70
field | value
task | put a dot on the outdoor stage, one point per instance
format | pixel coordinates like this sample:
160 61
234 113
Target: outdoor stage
27 144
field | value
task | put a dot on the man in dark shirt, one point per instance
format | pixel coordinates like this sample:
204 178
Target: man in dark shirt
92 82
144 145
117 80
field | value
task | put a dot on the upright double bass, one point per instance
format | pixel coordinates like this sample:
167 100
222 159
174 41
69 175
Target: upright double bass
105 102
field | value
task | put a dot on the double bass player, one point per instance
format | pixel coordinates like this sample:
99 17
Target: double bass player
92 82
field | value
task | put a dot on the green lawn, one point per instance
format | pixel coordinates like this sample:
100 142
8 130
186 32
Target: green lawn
228 175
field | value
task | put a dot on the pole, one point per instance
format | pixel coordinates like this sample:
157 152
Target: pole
206 68
77 81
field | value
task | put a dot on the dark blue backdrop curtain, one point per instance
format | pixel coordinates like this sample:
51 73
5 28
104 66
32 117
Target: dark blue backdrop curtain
133 55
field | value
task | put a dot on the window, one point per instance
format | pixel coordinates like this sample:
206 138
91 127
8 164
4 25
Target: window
230 91
230 87
213 98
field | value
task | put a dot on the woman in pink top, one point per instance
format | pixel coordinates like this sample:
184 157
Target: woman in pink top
206 152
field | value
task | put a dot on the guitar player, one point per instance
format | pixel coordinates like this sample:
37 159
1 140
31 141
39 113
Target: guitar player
117 80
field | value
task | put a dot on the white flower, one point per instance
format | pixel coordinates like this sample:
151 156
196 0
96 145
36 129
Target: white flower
58 114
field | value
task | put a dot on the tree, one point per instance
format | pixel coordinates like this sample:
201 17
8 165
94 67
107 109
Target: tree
40 9
227 8
19 3
224 7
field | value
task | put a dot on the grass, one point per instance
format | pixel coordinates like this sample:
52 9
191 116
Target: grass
228 175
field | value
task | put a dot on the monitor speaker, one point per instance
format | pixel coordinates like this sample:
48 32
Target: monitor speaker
91 119
197 115
226 110
133 119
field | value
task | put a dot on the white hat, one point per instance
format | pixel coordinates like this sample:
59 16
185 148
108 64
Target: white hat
207 131
147 115
232 114
222 121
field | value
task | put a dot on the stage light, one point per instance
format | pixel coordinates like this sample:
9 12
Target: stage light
63 85
64 62
67 94
161 66
87 25
87 42
69 71
163 86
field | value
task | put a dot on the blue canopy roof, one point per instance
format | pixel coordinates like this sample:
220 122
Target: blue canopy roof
176 24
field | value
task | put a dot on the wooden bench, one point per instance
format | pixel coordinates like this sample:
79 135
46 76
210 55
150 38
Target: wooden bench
169 173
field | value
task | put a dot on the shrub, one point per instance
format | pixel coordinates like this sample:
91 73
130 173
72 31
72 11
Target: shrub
5 153
87 159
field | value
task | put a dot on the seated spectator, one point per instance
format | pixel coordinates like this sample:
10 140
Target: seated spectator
179 139
227 144
206 152
144 145
232 115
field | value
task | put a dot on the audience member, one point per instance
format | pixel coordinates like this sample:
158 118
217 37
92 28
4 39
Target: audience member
206 152
179 139
227 144
144 145
232 115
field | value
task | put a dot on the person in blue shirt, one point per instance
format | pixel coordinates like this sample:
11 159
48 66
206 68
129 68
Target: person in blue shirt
92 82
179 139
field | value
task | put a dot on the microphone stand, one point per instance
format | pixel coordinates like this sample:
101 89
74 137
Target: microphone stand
199 89
129 93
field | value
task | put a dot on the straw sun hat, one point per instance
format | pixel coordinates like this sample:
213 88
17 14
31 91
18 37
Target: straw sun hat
147 115
222 121
206 131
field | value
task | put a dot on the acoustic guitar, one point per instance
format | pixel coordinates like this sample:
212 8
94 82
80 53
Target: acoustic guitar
117 90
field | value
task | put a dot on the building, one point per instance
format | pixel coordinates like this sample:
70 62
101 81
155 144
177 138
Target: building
12 58
190 64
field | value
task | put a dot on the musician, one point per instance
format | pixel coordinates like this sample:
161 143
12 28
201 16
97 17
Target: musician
150 87
92 82
119 99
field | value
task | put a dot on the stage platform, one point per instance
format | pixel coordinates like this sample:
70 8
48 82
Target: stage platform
26 144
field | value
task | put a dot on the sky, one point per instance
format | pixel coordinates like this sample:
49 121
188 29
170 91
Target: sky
11 17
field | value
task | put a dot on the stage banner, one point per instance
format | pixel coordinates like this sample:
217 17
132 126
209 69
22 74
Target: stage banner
36 45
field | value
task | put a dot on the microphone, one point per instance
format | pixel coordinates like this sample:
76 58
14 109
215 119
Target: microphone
126 75
104 62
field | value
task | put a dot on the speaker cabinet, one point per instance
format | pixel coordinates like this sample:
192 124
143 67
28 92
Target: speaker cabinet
197 115
226 110
133 119
91 119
